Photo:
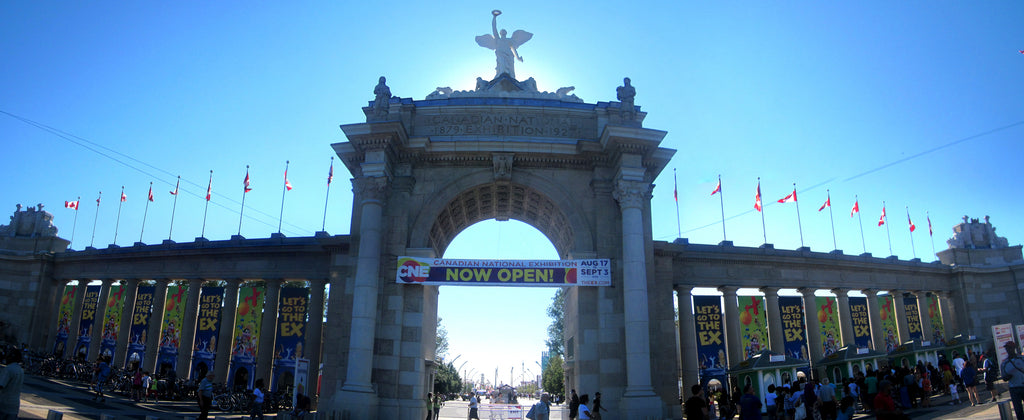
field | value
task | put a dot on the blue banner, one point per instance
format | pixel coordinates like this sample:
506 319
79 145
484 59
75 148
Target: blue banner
291 334
861 322
207 329
140 325
707 318
913 318
791 308
85 326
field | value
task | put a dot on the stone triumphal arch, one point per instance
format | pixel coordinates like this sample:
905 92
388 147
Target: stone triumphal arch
424 170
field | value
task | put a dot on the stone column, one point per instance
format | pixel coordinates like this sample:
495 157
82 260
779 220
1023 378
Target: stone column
358 389
813 328
314 330
687 337
947 314
845 317
922 311
776 336
155 327
875 319
268 332
127 312
631 196
900 312
733 344
97 326
227 331
188 328
76 315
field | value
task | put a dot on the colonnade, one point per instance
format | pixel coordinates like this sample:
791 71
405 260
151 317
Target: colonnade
776 339
268 334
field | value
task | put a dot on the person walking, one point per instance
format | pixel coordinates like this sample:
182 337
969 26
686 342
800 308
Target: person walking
1013 373
438 403
11 379
430 407
969 375
584 411
257 402
542 409
597 406
696 408
205 396
827 396
102 373
750 405
988 368
574 405
474 405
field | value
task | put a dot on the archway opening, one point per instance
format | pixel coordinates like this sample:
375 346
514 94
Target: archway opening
496 335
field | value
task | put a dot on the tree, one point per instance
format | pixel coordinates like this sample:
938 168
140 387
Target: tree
557 328
447 380
441 339
552 379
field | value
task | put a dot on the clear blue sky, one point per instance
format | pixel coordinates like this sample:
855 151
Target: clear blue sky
814 93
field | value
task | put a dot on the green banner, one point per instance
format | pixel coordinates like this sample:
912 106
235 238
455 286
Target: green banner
170 331
938 329
247 323
753 325
67 303
888 315
112 319
827 312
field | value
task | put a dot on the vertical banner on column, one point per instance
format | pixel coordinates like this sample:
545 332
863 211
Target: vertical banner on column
85 326
140 324
792 310
112 320
207 328
67 304
247 335
707 320
753 325
291 334
913 318
170 333
828 315
888 316
938 328
861 322
1001 334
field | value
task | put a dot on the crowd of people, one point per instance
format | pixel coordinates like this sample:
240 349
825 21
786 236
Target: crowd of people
886 392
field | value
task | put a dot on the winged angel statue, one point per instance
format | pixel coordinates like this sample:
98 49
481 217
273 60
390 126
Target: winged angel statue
504 47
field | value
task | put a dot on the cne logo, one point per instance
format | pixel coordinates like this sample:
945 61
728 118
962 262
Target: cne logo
412 271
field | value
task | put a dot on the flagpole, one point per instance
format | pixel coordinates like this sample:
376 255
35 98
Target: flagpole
721 203
912 248
929 216
835 245
764 231
284 189
330 175
93 240
74 226
799 224
173 208
856 201
675 193
145 213
245 186
118 222
202 233
887 234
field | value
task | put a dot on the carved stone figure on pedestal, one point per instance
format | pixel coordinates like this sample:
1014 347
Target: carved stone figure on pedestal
505 48
972 234
381 103
33 222
625 95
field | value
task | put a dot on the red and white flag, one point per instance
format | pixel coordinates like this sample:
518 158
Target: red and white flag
675 187
287 185
910 222
245 184
71 204
718 188
150 193
855 209
123 197
98 200
330 173
828 203
209 188
175 192
929 226
788 198
881 219
757 198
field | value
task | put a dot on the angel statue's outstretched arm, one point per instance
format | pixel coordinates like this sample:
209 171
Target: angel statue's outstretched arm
494 22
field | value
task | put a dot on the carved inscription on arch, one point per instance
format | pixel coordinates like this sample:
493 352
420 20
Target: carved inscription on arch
511 124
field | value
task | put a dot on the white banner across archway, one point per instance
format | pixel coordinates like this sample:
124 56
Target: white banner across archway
529 273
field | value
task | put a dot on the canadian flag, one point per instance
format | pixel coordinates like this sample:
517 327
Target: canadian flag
123 197
209 188
150 193
881 219
287 185
828 203
788 198
245 184
330 173
757 198
929 226
911 223
71 204
855 209
718 188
